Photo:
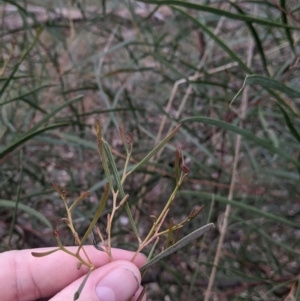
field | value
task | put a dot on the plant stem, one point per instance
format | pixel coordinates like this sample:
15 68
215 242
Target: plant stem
162 214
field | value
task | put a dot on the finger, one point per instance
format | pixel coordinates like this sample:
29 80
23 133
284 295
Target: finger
24 277
137 294
116 281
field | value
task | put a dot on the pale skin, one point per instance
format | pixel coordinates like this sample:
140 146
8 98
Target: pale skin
56 278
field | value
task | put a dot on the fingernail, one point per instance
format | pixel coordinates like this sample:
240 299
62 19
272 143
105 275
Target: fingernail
119 284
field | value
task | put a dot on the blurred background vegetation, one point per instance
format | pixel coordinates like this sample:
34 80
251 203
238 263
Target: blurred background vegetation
147 67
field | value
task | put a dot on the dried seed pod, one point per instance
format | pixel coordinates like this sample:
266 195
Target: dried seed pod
129 138
185 169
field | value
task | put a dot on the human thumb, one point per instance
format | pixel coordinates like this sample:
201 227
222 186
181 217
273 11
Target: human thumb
116 281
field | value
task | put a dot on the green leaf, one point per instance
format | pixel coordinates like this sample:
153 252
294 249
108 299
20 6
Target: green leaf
16 68
78 292
26 137
155 150
32 212
79 200
79 141
285 21
150 255
168 64
217 40
178 245
289 124
255 35
102 153
20 8
220 12
241 205
26 94
113 165
42 254
96 216
244 133
54 112
292 129
252 226
119 185
268 83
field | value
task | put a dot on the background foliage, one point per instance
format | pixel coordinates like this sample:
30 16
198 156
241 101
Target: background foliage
146 68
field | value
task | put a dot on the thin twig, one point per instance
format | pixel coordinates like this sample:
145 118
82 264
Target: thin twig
223 229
